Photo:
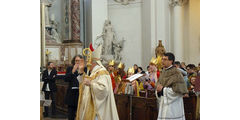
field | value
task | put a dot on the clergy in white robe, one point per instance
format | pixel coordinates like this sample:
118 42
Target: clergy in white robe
96 99
170 90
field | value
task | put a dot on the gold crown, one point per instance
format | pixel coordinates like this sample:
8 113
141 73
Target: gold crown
131 70
111 63
120 65
159 63
154 61
159 59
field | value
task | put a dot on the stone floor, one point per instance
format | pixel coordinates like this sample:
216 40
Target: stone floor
59 116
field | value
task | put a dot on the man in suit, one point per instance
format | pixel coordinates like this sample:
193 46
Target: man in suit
49 86
72 75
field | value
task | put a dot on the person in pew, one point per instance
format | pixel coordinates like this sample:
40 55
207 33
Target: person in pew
154 72
140 70
133 87
192 82
197 92
170 91
121 75
148 70
142 80
96 99
112 72
149 85
184 73
151 80
135 68
72 74
128 87
191 70
49 87
183 66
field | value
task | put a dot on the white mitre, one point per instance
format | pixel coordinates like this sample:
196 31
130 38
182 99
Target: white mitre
96 55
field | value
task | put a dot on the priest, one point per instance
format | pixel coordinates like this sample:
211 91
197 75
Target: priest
170 91
96 99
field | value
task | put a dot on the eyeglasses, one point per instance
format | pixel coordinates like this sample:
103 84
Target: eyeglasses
164 59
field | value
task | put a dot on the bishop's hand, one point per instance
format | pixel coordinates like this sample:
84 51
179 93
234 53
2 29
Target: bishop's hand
87 82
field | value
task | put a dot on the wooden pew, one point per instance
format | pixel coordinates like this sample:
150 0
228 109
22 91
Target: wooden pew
61 92
142 108
146 108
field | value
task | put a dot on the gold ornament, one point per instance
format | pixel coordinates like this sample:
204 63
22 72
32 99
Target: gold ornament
111 63
131 70
153 61
120 65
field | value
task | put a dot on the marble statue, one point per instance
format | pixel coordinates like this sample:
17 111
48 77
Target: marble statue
117 48
108 36
111 46
51 26
55 30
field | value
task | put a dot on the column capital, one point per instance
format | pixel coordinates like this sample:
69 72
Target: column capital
177 2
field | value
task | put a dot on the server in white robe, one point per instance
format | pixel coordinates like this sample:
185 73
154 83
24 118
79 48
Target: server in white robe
170 91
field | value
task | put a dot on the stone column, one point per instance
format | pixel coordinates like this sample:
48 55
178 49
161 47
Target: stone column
75 9
178 40
43 62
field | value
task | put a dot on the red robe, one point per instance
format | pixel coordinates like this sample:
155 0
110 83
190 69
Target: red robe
113 81
158 74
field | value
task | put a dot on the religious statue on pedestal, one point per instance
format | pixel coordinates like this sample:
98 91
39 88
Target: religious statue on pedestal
111 47
159 51
51 25
55 30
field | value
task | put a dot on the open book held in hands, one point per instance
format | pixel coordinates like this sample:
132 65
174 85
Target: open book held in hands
134 77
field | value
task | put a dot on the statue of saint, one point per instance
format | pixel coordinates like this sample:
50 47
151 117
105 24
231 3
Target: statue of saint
55 30
108 37
160 50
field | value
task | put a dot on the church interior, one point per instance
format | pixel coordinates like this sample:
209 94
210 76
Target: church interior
134 35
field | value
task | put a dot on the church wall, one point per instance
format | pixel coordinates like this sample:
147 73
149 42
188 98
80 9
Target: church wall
146 36
156 22
163 23
127 23
142 23
191 29
192 32
99 15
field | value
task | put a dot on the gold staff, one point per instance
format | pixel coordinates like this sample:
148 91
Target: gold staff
89 58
